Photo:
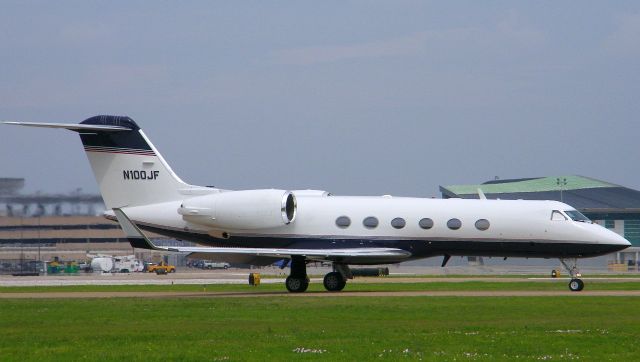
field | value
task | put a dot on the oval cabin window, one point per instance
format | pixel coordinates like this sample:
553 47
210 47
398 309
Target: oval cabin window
482 224
454 224
343 221
398 223
426 223
370 222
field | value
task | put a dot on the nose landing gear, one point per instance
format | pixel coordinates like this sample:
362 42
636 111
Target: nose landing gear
576 284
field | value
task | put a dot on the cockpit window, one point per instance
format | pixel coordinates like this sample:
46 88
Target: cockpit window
558 216
576 215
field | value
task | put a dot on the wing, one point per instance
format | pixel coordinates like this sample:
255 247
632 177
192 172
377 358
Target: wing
345 255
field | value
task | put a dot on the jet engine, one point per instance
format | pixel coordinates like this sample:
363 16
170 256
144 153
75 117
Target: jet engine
241 210
316 193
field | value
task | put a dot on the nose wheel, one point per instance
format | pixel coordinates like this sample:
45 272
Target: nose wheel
576 284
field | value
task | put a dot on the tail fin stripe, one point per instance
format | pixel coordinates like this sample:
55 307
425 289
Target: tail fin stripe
134 151
126 153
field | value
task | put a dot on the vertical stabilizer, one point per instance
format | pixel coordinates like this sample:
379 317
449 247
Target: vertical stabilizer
128 168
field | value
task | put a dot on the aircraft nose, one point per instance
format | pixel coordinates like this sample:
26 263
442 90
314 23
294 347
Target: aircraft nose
616 239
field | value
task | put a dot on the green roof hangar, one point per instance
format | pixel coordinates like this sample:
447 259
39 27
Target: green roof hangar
612 206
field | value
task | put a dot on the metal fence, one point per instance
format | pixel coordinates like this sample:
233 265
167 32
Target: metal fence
22 266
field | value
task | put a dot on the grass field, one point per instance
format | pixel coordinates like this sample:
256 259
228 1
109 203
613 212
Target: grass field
320 328
356 328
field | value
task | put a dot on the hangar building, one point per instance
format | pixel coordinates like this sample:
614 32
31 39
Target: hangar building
67 226
612 206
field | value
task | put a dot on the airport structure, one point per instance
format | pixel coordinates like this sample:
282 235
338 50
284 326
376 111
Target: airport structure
17 204
613 206
69 226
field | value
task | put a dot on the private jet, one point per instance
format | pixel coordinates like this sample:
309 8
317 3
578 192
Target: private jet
260 227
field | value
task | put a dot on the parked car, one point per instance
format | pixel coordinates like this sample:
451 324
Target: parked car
215 265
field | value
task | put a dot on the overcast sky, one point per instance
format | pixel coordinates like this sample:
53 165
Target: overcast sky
353 97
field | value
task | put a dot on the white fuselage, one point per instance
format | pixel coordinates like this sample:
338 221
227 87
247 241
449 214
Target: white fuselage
515 227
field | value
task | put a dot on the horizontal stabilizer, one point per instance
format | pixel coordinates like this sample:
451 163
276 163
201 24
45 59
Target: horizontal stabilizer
73 127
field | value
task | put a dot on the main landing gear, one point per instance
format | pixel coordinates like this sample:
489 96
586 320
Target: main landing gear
337 279
298 281
334 282
576 284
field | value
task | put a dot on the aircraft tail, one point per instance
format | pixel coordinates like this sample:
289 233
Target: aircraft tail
128 168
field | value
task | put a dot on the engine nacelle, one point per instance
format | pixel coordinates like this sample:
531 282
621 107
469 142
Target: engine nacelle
315 193
241 210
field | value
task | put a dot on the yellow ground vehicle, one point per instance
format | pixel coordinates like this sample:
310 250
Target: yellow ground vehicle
161 268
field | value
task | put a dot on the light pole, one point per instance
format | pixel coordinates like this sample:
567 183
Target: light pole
561 183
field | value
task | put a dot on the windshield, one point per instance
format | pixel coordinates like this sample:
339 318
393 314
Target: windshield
576 215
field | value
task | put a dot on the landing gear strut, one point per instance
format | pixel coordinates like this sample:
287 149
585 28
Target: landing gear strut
576 284
298 281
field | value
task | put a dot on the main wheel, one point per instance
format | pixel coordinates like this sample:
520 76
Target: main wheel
296 284
576 285
334 282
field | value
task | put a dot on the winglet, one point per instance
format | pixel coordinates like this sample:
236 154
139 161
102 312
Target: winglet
135 236
481 195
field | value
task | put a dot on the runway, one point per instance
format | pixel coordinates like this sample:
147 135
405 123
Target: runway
271 294
241 277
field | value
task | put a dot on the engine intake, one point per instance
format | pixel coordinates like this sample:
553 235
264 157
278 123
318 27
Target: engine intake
241 210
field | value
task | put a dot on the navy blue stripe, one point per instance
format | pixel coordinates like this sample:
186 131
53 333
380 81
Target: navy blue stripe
105 120
419 248
125 139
